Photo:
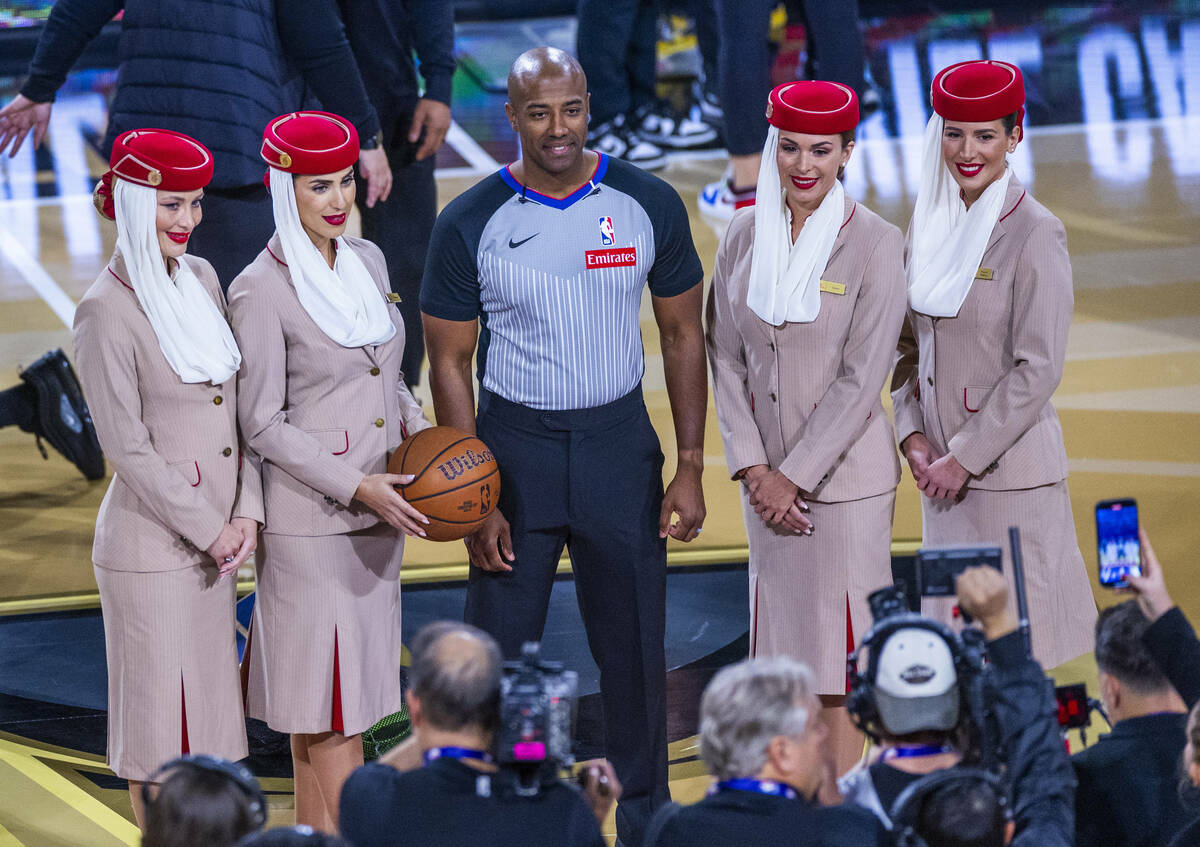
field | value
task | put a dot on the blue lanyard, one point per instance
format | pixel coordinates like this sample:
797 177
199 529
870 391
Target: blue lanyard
435 753
916 751
760 786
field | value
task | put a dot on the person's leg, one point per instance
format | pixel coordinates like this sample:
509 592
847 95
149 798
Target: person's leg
135 800
642 61
835 42
401 227
745 75
844 742
17 406
512 606
620 578
332 758
236 226
309 805
605 28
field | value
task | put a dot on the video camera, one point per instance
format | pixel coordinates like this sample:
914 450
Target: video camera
537 718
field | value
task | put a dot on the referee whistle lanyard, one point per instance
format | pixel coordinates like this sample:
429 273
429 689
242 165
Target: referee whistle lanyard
758 786
435 753
916 751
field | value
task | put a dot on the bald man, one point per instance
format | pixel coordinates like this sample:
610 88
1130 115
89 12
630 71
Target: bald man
458 797
551 255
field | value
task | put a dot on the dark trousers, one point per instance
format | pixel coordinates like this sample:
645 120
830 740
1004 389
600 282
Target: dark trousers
591 480
401 227
835 50
616 47
17 406
237 224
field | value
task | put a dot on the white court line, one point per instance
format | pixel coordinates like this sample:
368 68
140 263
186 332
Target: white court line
469 149
38 279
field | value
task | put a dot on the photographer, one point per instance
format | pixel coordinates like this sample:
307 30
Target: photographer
927 717
460 798
1126 793
761 737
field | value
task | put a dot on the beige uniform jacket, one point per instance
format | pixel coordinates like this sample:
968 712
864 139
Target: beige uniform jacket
805 398
322 416
978 385
179 473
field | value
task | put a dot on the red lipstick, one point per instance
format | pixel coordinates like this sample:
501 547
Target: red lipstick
804 184
179 237
968 170
334 220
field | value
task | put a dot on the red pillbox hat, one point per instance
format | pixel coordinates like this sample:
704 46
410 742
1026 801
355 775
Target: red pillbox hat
310 143
814 107
984 90
156 158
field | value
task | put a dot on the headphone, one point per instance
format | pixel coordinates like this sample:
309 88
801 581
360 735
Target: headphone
907 808
860 701
235 772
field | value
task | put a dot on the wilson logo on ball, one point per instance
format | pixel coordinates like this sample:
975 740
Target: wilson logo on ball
455 480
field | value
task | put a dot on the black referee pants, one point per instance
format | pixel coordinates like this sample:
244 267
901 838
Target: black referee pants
590 480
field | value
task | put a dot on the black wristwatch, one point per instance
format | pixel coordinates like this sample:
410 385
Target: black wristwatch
371 143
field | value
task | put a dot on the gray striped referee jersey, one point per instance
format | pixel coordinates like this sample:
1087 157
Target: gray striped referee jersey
557 283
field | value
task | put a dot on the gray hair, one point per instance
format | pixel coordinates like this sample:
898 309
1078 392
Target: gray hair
748 704
456 672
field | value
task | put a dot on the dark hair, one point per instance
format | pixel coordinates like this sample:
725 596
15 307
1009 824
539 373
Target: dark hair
198 806
847 139
1121 653
458 683
962 813
292 836
1009 121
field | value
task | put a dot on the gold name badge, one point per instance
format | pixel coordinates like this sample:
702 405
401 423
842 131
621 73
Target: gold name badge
393 297
833 287
984 273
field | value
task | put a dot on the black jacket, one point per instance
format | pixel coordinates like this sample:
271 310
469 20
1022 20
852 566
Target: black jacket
384 34
1172 643
1039 769
749 819
1128 784
450 804
217 70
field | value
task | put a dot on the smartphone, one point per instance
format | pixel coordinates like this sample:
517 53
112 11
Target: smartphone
1117 544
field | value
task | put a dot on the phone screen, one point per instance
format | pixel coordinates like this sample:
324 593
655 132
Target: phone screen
1117 541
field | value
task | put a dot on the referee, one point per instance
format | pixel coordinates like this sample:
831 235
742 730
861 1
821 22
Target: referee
546 261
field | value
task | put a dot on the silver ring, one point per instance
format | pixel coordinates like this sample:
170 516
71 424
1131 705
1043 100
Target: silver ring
228 559
699 530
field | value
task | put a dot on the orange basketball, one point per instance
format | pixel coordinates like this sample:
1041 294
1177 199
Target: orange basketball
456 480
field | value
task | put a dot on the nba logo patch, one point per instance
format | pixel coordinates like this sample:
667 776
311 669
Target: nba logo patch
608 236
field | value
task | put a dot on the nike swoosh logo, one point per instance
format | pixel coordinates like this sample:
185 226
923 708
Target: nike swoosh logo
515 244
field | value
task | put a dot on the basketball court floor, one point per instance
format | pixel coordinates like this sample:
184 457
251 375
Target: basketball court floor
1113 149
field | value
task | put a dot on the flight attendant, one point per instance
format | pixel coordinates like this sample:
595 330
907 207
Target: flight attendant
990 302
323 401
158 363
807 295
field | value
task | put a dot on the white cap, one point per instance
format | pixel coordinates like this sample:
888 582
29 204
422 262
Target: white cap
916 685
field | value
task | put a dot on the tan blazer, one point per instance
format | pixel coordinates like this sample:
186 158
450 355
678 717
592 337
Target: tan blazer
805 398
322 416
979 384
179 474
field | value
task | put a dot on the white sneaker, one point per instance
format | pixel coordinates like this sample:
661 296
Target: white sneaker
719 200
617 139
673 132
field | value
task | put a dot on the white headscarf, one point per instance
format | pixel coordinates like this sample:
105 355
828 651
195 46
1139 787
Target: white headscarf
948 239
344 300
192 333
785 278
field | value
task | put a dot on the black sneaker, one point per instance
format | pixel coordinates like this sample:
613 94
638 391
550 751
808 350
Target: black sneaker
617 139
61 414
674 132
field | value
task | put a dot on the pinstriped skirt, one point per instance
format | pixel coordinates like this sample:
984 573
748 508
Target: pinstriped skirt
172 667
808 593
325 643
1062 609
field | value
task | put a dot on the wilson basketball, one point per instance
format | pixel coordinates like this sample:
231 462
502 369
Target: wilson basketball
456 484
